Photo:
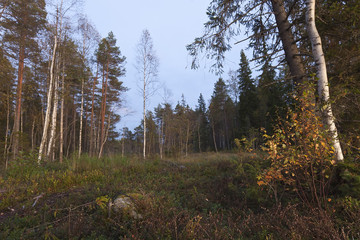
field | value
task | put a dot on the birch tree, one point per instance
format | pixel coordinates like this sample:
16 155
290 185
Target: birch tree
147 64
321 73
89 37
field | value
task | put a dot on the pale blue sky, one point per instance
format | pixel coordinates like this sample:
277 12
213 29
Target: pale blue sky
172 25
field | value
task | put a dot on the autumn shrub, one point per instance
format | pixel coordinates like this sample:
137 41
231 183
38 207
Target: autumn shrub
301 155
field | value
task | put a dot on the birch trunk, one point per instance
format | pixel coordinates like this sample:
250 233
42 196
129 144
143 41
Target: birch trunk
16 133
61 152
92 128
81 116
144 109
321 73
49 97
53 120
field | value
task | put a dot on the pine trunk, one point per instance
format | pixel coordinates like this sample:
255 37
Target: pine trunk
7 129
292 54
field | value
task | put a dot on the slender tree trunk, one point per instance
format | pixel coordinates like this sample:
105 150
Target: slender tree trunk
16 133
187 138
61 152
161 142
103 109
51 144
48 109
105 137
33 135
144 115
92 129
122 147
292 53
6 157
81 116
74 126
321 73
199 138
214 138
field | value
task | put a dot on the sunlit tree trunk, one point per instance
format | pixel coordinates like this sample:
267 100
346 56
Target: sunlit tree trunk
7 128
321 73
49 98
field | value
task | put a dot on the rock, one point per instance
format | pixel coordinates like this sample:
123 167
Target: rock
125 204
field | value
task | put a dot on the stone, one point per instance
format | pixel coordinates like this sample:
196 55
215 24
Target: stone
125 204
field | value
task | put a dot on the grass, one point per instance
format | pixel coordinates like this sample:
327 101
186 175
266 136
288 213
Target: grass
203 196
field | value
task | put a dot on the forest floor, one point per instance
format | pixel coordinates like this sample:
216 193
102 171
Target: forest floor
203 196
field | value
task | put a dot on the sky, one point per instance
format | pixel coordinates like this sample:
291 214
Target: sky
172 25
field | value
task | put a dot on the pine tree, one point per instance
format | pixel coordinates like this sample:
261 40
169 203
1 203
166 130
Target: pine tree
111 65
24 20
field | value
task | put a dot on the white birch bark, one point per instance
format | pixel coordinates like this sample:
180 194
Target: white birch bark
81 116
49 97
321 73
53 119
61 152
144 110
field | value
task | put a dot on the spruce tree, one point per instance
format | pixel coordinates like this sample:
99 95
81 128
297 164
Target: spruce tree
248 101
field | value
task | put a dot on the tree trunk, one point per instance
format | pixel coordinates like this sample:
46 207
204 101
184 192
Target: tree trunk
199 138
321 73
105 137
61 152
292 54
103 109
81 116
214 138
7 128
33 135
52 139
144 113
92 128
48 109
16 133
187 138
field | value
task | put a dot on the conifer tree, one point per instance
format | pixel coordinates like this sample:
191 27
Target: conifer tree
111 65
24 20
248 101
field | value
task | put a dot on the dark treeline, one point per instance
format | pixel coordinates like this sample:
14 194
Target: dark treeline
61 83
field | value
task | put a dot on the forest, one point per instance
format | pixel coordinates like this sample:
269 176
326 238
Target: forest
273 154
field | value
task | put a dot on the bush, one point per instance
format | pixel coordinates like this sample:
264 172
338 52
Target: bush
302 160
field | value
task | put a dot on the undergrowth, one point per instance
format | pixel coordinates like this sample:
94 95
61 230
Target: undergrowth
204 196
